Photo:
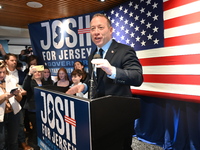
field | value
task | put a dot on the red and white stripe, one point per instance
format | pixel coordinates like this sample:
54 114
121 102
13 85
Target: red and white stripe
71 121
83 31
174 70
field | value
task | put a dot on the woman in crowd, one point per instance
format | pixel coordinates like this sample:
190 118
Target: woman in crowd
33 79
63 79
47 77
9 110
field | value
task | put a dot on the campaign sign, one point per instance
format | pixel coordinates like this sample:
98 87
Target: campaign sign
63 122
61 42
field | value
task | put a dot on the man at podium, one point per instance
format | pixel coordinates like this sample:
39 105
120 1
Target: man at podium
113 66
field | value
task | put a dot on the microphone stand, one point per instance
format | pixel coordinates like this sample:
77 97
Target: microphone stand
96 56
92 83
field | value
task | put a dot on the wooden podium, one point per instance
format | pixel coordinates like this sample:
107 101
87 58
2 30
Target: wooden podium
70 122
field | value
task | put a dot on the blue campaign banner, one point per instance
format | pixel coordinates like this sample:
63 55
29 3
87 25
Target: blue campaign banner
63 122
60 42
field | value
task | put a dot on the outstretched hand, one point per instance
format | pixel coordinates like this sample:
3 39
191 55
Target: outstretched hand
75 89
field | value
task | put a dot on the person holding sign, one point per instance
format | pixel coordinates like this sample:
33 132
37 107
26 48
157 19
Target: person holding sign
116 69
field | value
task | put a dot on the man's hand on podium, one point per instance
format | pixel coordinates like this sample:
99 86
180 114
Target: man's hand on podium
75 89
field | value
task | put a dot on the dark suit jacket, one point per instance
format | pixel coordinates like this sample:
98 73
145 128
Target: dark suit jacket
128 72
22 76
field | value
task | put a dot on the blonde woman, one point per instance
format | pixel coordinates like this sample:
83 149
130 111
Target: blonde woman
10 96
33 79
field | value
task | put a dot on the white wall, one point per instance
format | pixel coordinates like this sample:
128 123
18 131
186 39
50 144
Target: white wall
15 49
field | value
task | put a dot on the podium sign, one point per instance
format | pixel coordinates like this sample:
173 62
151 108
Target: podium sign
63 122
72 123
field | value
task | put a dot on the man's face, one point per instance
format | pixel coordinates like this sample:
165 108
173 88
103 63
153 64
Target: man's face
12 62
100 31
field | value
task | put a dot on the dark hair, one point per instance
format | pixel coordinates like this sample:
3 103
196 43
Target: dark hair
65 71
77 72
83 70
31 58
7 56
49 80
19 64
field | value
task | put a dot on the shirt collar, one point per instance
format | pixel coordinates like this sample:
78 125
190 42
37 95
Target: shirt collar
106 46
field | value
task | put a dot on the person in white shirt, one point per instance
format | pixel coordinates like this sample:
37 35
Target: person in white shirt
9 110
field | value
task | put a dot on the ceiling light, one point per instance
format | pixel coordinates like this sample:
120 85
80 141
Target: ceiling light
0 7
34 4
102 0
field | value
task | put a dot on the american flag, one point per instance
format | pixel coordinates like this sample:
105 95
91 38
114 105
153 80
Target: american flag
166 37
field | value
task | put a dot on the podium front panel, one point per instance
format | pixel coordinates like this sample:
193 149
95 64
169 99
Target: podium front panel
63 122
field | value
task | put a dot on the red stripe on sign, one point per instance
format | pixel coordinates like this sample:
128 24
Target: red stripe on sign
182 40
82 31
176 3
183 20
190 98
71 121
171 60
173 79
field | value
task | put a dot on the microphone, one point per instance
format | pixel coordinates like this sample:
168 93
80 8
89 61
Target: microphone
96 56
